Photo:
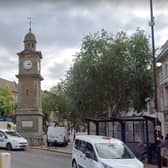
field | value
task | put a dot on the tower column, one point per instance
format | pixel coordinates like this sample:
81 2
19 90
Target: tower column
29 116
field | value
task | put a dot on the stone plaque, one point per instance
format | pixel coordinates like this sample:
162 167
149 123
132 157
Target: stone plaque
28 124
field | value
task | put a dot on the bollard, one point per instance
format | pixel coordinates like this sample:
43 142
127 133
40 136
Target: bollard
5 160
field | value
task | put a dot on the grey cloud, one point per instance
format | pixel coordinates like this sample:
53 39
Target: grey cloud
9 65
72 3
58 70
53 22
63 23
161 21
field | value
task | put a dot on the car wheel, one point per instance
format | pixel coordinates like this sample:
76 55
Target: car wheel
9 146
74 164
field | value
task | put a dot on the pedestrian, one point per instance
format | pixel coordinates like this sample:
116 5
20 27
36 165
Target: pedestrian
164 151
141 149
74 135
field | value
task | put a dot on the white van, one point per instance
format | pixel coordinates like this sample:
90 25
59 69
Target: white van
11 139
57 135
91 151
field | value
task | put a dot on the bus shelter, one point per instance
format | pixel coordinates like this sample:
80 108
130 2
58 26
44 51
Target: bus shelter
138 132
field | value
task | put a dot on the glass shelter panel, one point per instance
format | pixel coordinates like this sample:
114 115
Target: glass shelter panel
92 127
102 128
151 132
129 131
139 131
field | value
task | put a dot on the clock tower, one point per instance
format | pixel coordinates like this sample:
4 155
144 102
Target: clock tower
29 117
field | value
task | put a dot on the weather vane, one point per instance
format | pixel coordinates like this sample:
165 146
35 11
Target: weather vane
30 23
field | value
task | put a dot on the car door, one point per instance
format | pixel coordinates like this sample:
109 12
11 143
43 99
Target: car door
82 156
77 153
91 158
2 139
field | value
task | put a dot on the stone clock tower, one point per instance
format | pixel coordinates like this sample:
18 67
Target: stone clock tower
29 118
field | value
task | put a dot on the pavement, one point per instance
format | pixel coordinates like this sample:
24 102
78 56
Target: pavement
61 149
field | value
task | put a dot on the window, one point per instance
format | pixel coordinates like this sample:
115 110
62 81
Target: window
77 144
165 69
90 149
27 92
80 145
113 151
83 146
1 134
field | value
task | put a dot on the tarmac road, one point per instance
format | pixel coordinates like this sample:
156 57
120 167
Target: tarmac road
39 159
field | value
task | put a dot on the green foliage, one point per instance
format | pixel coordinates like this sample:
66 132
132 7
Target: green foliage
56 102
109 74
47 106
141 77
6 102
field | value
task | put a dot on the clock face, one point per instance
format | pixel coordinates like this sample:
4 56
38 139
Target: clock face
27 64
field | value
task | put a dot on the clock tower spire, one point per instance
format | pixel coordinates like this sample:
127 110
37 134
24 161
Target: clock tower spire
29 115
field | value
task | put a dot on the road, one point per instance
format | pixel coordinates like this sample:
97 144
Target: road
39 159
42 159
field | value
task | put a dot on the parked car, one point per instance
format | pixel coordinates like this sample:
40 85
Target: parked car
57 136
10 139
91 151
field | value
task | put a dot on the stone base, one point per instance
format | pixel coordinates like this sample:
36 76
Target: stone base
30 126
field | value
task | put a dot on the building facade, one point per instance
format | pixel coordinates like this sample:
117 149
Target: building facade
29 117
12 86
162 83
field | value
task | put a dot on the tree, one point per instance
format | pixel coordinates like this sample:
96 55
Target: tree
47 107
141 76
110 74
6 102
56 102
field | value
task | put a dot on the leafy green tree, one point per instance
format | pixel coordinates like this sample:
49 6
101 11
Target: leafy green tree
141 76
6 102
62 101
57 103
110 74
47 107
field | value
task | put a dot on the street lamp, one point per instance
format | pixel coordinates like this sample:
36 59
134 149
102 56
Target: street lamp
154 80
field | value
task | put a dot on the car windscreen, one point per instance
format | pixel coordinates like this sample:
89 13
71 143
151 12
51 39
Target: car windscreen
113 151
13 133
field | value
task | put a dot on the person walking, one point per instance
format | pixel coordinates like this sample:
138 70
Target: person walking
164 151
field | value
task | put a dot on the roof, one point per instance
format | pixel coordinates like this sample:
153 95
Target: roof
29 37
4 129
98 139
10 84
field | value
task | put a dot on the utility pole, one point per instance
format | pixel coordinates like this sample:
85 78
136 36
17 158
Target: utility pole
152 23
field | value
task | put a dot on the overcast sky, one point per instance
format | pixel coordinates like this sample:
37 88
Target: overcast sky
60 25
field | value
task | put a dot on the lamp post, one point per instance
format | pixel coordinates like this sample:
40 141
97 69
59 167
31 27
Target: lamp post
152 23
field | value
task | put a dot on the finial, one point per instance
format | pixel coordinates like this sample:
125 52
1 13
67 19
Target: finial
30 22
